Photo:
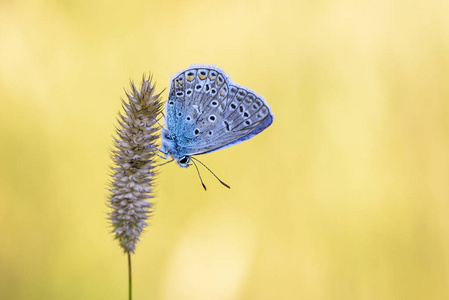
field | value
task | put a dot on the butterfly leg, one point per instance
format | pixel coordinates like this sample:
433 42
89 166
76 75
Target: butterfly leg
157 121
165 163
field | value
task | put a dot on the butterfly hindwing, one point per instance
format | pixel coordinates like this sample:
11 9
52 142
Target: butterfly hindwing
207 112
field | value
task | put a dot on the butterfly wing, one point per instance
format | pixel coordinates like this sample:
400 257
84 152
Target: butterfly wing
206 111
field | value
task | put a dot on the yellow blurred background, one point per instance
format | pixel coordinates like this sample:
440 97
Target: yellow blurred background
345 196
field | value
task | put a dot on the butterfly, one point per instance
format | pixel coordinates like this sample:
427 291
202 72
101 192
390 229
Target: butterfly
206 112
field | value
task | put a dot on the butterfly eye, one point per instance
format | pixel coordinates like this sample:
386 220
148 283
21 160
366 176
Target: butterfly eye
184 160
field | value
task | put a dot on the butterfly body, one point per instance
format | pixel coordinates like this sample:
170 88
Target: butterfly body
206 112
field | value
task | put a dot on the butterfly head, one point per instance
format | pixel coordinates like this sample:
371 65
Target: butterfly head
171 148
183 161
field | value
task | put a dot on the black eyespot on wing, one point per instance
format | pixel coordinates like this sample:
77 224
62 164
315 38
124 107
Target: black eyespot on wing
198 86
189 91
246 115
213 91
190 73
212 118
203 73
188 118
241 108
210 133
214 103
171 102
207 87
248 122
233 106
179 94
196 132
226 123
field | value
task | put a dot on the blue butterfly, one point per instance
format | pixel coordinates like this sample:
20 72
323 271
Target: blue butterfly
206 112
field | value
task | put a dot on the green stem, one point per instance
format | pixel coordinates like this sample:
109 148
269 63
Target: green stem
129 277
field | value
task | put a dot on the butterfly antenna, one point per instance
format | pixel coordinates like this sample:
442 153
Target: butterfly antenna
198 171
211 172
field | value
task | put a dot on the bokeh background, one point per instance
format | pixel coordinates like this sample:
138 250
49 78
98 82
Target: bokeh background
345 196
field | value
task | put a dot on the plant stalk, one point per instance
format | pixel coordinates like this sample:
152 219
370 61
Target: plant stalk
129 277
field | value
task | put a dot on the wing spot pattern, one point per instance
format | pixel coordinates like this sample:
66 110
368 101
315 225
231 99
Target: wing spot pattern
220 80
212 75
226 123
202 74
